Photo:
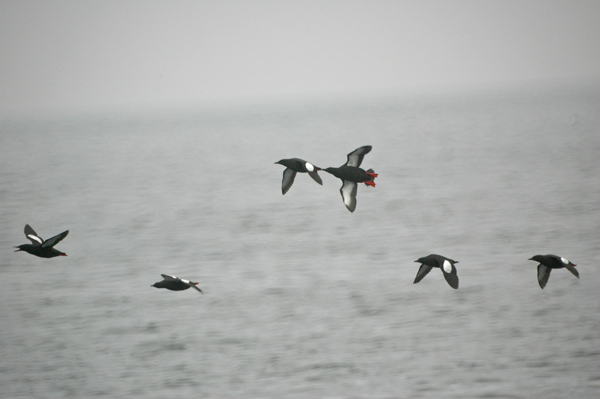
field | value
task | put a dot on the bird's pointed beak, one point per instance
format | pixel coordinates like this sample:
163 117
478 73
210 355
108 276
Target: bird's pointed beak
18 249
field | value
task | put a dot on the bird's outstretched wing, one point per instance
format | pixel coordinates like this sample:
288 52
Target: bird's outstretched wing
450 274
315 176
355 157
572 270
50 242
288 180
543 275
348 191
33 236
423 270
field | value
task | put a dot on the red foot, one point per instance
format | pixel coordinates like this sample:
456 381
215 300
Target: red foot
373 175
370 183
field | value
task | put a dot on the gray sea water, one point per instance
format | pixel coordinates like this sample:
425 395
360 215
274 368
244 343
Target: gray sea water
304 299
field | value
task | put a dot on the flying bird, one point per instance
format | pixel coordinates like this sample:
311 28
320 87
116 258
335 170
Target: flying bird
175 283
445 264
39 246
549 262
294 165
351 175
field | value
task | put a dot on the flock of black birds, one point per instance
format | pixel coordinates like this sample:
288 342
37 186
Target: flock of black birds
351 174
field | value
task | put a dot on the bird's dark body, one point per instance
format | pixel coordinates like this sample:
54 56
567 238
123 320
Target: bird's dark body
434 260
551 261
42 252
350 173
296 164
172 285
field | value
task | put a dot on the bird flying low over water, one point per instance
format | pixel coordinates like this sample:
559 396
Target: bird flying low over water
175 283
549 262
39 246
445 264
294 165
351 175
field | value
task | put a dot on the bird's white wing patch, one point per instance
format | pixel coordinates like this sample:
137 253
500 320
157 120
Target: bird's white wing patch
169 277
309 166
447 266
34 238
565 261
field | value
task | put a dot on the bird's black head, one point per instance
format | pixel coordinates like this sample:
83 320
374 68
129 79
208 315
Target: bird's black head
537 258
284 162
420 260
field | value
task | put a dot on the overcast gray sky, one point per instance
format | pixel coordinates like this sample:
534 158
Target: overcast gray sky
88 55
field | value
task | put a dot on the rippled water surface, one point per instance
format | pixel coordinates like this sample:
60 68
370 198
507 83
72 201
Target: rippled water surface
304 299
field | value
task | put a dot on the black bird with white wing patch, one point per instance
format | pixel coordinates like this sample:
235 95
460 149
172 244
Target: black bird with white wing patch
351 174
441 262
293 166
39 246
175 283
549 262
